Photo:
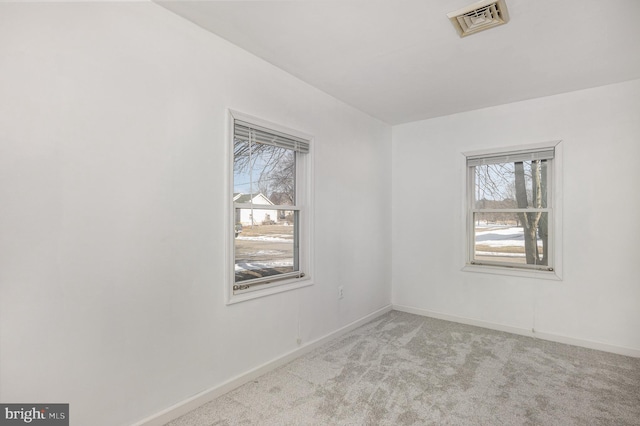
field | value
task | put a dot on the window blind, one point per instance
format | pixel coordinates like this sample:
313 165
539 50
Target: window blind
479 160
269 137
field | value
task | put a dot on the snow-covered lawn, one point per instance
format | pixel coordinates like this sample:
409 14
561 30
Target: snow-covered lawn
245 266
500 238
505 237
270 238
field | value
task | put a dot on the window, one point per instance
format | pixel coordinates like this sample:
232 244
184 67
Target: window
511 211
271 215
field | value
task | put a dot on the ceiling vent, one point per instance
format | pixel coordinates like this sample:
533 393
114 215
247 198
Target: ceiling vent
479 16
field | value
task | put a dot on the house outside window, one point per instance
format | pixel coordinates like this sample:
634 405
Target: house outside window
511 216
271 208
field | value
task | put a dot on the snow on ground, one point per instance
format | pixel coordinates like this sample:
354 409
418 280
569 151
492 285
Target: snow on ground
501 254
496 237
263 265
266 253
505 237
278 239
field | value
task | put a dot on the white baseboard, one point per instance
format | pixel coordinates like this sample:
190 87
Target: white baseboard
203 397
605 347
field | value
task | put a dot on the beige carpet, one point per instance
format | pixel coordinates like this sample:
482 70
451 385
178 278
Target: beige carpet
404 369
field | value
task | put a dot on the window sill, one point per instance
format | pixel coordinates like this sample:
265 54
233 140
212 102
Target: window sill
513 272
280 288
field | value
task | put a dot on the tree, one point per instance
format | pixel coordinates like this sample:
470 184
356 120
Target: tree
531 221
543 224
271 169
518 185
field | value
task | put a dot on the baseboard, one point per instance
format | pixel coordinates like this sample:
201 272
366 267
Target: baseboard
605 347
463 320
201 398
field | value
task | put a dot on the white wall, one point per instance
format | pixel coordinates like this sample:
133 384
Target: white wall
112 200
599 299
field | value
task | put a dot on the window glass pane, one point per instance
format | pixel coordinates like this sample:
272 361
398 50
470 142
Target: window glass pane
511 185
264 169
265 243
520 238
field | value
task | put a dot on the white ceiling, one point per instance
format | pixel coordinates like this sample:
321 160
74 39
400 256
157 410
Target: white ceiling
402 60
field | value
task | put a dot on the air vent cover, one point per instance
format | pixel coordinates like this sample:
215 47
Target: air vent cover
479 16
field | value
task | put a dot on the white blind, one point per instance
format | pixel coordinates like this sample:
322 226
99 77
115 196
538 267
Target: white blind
511 157
266 136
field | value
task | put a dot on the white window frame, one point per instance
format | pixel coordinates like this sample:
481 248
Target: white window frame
554 207
303 206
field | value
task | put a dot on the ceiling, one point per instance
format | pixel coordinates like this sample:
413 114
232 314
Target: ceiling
402 60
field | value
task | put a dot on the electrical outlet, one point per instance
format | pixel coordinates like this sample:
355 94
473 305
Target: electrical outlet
299 341
340 292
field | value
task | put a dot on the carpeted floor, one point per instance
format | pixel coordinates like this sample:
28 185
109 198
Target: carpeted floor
404 369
